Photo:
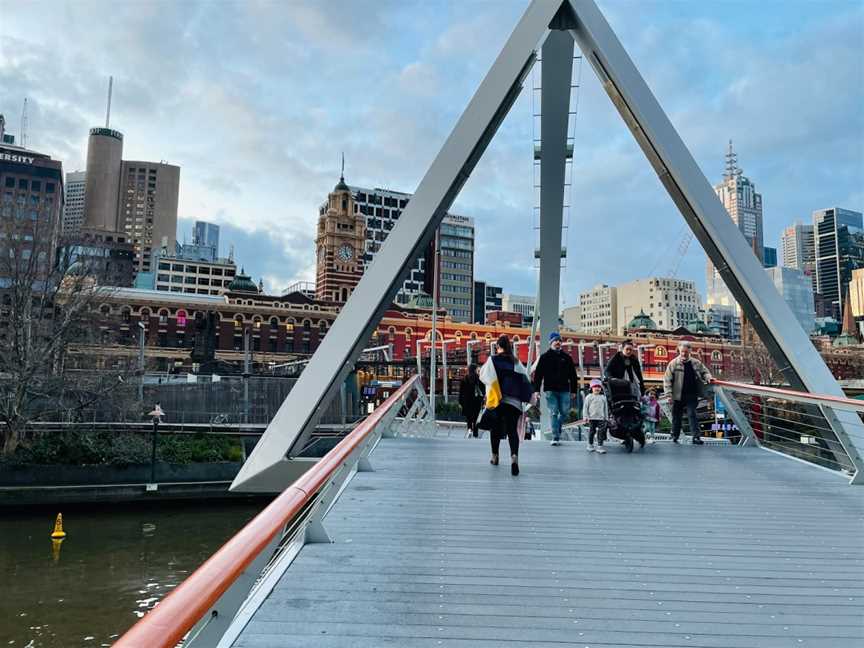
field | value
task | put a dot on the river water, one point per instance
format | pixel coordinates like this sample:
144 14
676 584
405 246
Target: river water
117 560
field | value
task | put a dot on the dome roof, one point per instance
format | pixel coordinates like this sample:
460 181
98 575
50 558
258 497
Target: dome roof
242 283
696 325
341 186
642 321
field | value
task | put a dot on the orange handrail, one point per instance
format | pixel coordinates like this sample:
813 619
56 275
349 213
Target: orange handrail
166 624
780 392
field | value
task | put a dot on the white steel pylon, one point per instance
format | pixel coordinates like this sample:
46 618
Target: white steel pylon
268 470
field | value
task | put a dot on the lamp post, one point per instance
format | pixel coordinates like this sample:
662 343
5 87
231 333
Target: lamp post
142 330
468 345
156 415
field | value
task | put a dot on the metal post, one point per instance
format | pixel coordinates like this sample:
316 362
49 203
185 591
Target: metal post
246 371
141 361
419 365
153 449
432 375
446 382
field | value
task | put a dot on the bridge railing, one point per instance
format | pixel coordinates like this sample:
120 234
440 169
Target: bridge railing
818 429
211 606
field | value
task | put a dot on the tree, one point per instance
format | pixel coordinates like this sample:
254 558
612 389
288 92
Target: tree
48 294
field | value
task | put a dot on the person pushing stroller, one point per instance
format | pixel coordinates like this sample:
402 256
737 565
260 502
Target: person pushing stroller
595 410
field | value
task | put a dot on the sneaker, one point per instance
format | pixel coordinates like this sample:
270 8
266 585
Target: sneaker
675 440
514 469
698 441
555 442
650 441
590 447
601 450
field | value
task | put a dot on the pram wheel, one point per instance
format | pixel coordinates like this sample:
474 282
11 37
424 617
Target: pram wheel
628 443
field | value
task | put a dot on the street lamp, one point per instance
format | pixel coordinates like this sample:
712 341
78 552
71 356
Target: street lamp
156 415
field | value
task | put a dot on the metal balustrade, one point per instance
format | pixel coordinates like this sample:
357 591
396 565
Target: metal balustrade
211 606
803 426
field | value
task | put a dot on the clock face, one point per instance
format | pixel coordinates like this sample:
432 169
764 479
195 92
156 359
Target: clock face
345 253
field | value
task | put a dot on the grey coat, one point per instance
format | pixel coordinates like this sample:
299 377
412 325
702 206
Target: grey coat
673 380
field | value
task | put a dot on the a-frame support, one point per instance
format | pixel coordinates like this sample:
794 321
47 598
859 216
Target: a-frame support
289 431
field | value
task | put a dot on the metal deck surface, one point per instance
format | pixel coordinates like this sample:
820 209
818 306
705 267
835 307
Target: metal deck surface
675 546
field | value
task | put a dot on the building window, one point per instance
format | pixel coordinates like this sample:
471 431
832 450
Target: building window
181 319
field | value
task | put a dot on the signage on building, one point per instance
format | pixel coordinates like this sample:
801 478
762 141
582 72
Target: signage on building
107 132
13 157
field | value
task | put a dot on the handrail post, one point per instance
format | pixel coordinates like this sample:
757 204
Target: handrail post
738 416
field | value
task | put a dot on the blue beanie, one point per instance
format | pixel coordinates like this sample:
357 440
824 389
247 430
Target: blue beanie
554 335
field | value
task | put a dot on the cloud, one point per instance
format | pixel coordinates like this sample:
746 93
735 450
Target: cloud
256 101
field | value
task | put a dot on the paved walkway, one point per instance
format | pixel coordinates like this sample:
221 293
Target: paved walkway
676 546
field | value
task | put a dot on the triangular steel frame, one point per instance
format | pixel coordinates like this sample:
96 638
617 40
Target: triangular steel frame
790 347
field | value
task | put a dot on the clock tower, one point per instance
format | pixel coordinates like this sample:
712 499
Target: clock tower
339 245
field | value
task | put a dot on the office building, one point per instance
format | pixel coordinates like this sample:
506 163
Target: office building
722 320
185 272
102 192
73 207
571 318
797 249
769 257
671 303
839 244
381 209
487 298
599 313
856 297
133 202
522 304
30 209
744 205
206 234
148 208
796 289
456 267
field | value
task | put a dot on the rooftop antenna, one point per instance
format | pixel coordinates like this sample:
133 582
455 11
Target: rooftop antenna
732 169
23 136
108 111
342 175
231 253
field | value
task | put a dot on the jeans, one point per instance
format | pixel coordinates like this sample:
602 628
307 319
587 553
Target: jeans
598 428
677 412
649 427
559 409
508 421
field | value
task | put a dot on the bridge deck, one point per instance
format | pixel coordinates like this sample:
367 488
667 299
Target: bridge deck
678 546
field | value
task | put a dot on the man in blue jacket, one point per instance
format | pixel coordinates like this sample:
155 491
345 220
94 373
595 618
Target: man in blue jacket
556 376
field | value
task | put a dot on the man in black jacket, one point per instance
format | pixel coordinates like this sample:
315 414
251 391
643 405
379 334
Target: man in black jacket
556 375
624 365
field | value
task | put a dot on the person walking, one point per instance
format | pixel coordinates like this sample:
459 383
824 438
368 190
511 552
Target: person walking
595 410
471 398
624 365
556 376
507 388
650 415
683 382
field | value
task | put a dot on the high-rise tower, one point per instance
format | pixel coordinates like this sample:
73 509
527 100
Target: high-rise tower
744 205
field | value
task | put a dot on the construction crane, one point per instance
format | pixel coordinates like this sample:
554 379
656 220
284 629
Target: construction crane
683 246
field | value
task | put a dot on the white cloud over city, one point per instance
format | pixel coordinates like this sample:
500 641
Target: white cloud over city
256 101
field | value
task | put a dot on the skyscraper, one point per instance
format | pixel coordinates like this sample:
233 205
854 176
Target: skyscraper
797 290
769 257
147 211
739 197
382 208
839 242
797 248
207 235
73 208
129 202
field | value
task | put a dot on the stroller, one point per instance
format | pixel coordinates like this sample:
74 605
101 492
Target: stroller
625 412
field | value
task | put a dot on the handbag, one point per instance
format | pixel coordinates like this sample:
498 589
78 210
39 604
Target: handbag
488 419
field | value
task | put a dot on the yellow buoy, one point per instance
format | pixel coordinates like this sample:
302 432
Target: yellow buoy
56 543
58 527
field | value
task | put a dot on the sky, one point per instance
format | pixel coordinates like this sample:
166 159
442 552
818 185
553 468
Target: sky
256 101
